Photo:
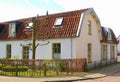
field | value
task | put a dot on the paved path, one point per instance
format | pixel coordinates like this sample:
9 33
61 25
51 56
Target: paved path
83 75
111 78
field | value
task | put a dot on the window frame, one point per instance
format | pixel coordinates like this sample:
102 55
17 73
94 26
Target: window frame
104 52
112 51
58 22
89 24
25 52
109 35
12 29
89 48
58 50
8 50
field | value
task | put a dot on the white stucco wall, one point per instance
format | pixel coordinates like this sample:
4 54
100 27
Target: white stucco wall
84 39
42 52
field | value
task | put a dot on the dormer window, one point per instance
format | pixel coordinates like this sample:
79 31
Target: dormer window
58 21
109 35
12 29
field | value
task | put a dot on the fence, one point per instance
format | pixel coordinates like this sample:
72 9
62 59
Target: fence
35 68
99 64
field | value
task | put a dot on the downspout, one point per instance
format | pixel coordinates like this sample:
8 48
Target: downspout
71 47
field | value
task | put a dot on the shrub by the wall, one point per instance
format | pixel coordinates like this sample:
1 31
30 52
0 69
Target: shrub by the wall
15 68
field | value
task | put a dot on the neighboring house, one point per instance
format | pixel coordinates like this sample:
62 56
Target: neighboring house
108 45
118 45
74 34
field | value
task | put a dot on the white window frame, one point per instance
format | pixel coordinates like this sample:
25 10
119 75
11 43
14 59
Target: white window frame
58 21
12 29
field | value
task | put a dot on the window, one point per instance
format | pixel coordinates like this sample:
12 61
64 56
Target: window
58 21
109 35
8 51
12 29
89 52
56 50
25 52
104 52
89 27
112 51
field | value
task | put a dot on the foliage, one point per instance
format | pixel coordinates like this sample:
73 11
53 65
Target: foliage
1 66
15 68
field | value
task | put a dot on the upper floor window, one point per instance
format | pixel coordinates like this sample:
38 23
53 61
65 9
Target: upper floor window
58 21
109 35
12 29
89 27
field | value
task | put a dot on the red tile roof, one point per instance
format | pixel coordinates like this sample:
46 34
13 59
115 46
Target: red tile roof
45 26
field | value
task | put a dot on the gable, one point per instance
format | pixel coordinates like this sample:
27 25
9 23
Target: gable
94 15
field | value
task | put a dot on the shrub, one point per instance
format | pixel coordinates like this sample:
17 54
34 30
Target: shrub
1 66
15 68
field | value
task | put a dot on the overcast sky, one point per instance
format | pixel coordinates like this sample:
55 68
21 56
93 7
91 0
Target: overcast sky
106 10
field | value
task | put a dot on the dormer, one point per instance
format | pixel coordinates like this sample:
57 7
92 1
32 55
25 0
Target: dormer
12 29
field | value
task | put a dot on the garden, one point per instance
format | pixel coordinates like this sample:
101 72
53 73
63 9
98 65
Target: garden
36 68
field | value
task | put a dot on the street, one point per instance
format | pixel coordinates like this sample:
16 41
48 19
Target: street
112 78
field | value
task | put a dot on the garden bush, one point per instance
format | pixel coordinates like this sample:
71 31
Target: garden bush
15 68
1 66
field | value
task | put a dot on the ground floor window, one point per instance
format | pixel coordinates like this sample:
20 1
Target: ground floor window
56 50
8 51
25 52
104 52
89 52
112 51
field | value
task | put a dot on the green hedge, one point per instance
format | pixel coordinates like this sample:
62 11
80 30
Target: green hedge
1 66
15 68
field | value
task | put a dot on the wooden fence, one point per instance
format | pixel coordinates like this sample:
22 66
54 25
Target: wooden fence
33 68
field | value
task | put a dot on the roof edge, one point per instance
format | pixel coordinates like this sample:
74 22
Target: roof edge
82 17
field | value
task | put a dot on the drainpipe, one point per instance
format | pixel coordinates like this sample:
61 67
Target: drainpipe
71 48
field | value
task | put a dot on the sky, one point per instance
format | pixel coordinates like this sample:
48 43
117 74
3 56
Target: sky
106 10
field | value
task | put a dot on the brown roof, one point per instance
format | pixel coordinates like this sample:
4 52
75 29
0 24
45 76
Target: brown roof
105 36
45 26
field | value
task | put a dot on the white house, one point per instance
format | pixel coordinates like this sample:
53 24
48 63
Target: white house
73 34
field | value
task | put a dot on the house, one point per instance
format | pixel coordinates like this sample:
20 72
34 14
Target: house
108 45
73 34
118 45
